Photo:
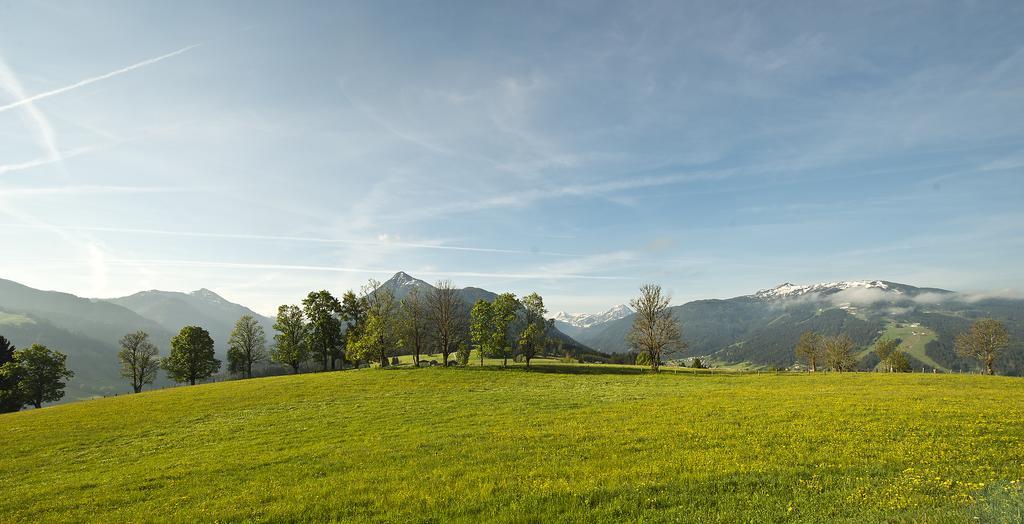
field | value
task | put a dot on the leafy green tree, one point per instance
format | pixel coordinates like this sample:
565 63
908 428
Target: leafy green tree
192 356
885 349
414 326
898 362
323 334
10 397
697 364
654 330
381 333
462 354
290 346
504 311
353 312
531 341
246 346
986 340
838 352
643 359
482 329
139 360
533 337
809 348
39 375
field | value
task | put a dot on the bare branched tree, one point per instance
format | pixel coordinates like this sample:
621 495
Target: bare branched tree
655 330
447 317
810 349
414 323
985 341
139 360
839 353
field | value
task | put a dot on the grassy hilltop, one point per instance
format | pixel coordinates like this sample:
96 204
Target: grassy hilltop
560 443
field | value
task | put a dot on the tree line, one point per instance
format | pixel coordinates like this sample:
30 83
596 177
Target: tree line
374 326
986 340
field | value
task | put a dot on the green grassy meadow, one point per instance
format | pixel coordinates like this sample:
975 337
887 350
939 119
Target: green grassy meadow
558 443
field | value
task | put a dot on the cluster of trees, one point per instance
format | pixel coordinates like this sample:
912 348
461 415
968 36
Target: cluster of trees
835 352
374 326
986 341
30 376
509 326
371 327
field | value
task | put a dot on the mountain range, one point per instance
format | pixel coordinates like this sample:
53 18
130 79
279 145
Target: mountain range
757 330
577 323
761 330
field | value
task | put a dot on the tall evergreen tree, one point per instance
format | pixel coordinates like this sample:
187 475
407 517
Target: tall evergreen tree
192 356
139 360
246 346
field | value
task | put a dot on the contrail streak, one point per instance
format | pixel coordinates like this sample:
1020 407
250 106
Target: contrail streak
88 81
320 240
299 267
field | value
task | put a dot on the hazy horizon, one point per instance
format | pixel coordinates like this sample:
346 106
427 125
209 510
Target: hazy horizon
578 151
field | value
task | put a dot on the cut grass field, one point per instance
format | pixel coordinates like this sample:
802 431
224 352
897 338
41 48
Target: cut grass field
559 443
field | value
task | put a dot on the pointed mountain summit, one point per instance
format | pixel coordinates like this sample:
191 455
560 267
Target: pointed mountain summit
401 283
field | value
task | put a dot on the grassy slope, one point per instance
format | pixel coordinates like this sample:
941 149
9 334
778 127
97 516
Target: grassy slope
913 345
483 444
13 319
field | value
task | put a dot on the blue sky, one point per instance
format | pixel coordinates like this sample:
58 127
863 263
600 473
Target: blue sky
576 149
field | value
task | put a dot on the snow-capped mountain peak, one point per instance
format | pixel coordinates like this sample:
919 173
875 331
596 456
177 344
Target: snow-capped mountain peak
402 279
788 290
586 320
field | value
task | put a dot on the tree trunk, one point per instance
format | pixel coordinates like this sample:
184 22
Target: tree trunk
383 358
295 369
192 381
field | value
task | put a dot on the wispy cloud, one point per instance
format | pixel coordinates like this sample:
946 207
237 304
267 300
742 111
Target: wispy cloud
341 269
554 192
46 94
42 130
86 190
59 157
386 243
